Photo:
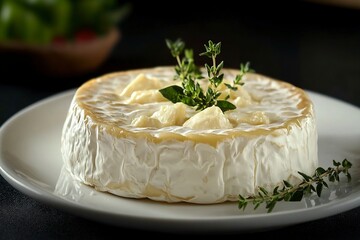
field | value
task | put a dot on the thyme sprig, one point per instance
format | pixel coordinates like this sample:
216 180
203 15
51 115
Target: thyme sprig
190 92
244 69
289 192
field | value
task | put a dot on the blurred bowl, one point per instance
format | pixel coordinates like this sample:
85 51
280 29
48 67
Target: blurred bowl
68 58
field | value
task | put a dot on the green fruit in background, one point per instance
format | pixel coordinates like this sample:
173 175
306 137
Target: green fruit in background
18 23
89 14
97 15
56 13
88 10
62 12
5 16
9 15
42 21
34 31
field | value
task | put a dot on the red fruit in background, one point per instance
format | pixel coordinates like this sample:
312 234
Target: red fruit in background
85 35
59 40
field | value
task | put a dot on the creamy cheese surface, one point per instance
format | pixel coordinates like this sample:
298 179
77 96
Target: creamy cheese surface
122 136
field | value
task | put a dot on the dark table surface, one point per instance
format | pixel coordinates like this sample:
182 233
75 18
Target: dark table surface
315 47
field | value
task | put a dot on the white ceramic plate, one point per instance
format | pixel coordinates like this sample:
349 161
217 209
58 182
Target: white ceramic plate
30 160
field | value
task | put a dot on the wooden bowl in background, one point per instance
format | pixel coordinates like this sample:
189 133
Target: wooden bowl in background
67 58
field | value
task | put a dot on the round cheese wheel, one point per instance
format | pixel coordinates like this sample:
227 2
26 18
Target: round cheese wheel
122 136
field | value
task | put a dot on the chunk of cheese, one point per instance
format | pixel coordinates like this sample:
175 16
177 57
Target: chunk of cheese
141 82
171 115
209 118
146 96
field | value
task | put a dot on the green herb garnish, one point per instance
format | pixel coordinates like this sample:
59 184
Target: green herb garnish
190 92
295 193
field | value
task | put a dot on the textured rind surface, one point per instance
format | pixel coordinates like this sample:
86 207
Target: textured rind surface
180 164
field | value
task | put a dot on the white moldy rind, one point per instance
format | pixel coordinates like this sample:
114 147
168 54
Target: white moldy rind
185 165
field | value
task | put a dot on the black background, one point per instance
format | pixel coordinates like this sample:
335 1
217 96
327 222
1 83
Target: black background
315 47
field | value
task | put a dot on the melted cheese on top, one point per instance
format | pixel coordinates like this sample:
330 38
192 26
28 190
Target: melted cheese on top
131 102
